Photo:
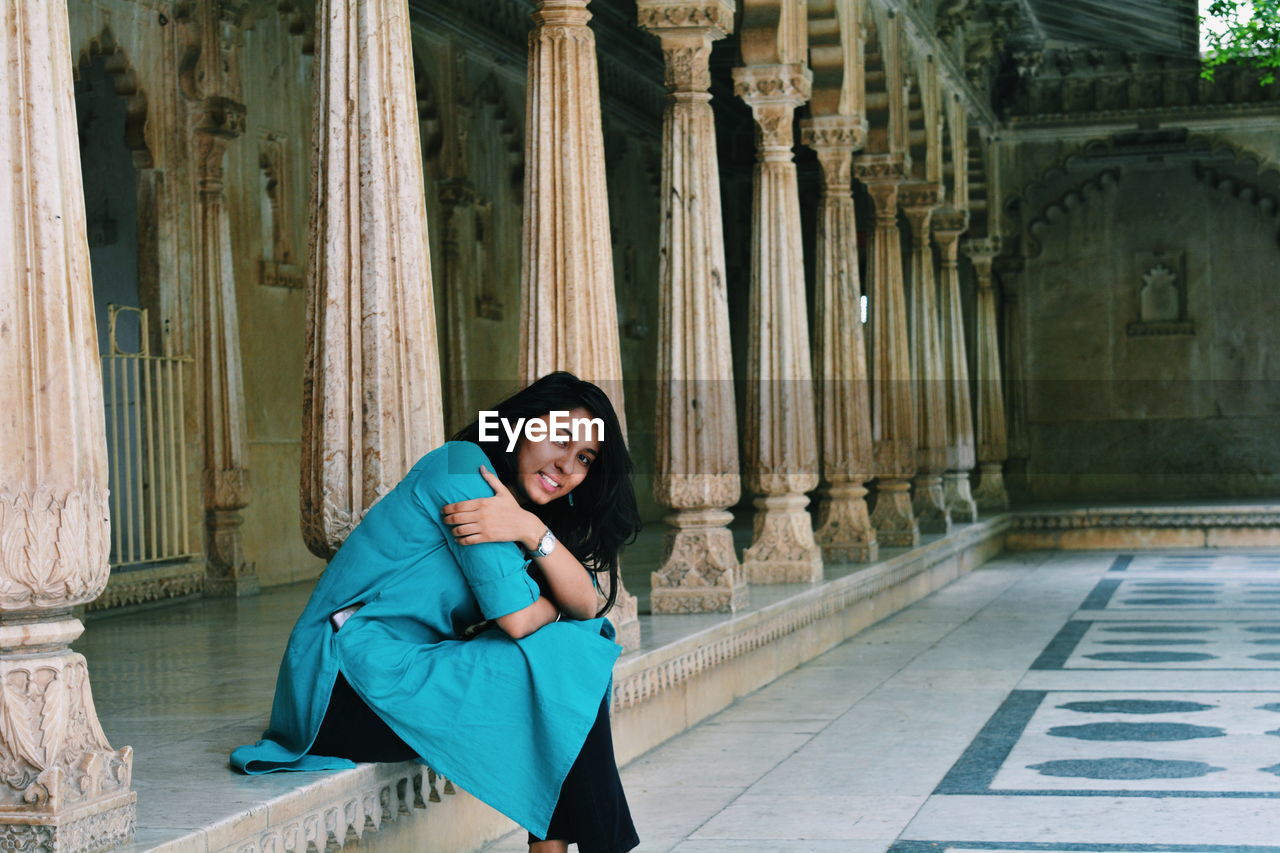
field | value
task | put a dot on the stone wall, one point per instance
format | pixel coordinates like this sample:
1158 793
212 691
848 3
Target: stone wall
1147 318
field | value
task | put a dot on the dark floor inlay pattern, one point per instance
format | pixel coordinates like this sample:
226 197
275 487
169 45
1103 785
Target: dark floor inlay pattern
1152 657
1270 706
1171 642
1145 732
1264 629
1124 768
1167 602
1159 629
1266 656
1135 706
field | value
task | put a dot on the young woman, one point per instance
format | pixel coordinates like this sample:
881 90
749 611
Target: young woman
458 625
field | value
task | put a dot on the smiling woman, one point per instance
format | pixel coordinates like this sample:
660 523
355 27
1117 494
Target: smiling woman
453 628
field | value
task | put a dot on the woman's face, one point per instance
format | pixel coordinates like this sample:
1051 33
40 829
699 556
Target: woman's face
549 469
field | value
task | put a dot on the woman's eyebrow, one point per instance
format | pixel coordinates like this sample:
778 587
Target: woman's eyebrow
591 450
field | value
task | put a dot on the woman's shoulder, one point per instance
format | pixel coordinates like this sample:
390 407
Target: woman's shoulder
454 457
451 473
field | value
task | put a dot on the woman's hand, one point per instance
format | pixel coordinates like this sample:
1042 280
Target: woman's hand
496 519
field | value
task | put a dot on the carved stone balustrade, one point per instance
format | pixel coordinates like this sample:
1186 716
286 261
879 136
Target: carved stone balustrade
948 225
62 786
993 447
844 529
781 445
697 471
893 410
371 403
569 318
918 202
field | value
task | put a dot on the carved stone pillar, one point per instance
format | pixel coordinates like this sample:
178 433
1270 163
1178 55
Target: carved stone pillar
569 317
918 202
893 408
948 225
217 121
371 390
62 786
697 473
210 82
840 358
782 453
993 446
1015 378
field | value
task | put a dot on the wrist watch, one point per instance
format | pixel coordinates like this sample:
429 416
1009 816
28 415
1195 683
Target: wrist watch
546 545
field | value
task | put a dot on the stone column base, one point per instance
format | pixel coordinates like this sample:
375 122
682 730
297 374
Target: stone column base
959 500
232 587
699 572
102 826
844 529
782 548
990 494
930 505
893 519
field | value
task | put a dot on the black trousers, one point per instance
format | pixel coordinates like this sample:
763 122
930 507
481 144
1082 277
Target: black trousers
591 812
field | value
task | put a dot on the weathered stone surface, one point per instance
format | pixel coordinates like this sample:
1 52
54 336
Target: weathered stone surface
781 444
570 280
844 529
893 406
62 785
696 424
948 225
992 445
372 401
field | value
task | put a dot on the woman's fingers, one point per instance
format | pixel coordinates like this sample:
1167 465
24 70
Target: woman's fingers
464 506
494 482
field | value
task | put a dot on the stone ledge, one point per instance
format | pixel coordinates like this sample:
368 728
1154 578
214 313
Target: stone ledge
658 693
1142 528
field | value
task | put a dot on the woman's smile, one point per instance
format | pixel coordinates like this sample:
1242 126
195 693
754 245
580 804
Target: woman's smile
547 482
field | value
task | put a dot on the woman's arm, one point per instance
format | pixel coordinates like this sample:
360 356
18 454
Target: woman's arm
570 582
524 622
501 519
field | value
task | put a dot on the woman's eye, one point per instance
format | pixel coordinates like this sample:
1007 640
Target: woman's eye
562 444
584 459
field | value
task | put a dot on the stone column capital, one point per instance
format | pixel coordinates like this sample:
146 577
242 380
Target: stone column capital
713 18
872 169
218 116
561 13
949 224
920 197
766 85
981 249
842 133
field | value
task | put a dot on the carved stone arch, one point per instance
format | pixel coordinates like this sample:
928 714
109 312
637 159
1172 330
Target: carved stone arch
489 96
835 57
430 126
924 116
978 164
773 32
1246 177
883 97
1097 165
125 81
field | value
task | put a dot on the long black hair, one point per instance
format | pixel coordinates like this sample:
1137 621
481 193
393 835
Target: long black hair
603 516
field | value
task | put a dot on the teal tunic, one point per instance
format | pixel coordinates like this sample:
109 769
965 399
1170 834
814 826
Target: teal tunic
504 719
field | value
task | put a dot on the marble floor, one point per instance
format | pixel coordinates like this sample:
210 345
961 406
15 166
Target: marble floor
1054 702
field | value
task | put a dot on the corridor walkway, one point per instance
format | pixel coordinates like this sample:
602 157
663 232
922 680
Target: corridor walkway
1048 702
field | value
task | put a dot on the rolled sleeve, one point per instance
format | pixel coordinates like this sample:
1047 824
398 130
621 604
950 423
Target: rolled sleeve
495 571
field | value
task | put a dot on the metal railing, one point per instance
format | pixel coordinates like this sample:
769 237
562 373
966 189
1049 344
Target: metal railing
146 447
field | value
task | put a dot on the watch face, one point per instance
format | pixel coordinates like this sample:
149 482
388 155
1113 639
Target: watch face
546 543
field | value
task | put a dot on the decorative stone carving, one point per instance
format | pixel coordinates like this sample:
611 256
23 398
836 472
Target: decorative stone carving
62 786
697 444
893 410
211 84
948 225
371 392
918 202
564 193
993 447
1161 296
781 445
844 529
